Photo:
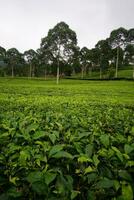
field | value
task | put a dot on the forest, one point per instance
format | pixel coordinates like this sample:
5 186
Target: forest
59 55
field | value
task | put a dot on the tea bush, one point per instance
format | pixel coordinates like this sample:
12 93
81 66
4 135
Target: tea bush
65 147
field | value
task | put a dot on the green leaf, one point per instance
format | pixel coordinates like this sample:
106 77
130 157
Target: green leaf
120 138
89 150
34 177
116 184
96 160
125 175
130 163
92 177
39 143
88 170
84 134
69 182
13 179
128 149
105 183
52 137
59 126
132 130
84 158
104 140
103 152
91 195
118 153
126 156
38 134
26 136
49 177
61 185
78 147
32 127
62 154
24 155
12 192
40 188
4 135
127 192
74 194
55 149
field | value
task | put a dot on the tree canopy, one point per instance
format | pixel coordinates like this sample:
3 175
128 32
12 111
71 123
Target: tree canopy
59 44
59 54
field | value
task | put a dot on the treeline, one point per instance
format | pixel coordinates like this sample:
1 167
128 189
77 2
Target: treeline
59 55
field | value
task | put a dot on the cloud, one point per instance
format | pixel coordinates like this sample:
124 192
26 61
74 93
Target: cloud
24 22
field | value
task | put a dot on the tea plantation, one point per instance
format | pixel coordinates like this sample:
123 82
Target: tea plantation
69 141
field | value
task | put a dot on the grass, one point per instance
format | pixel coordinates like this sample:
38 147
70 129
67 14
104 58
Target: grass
122 73
107 92
126 73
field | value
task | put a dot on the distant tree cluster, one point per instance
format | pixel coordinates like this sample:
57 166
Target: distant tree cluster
59 55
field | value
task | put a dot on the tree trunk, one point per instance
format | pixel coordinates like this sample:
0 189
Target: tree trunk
12 71
73 71
100 73
58 66
5 74
90 71
133 71
45 73
82 72
58 70
33 71
117 63
30 70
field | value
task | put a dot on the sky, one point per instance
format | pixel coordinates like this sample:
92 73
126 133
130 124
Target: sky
24 22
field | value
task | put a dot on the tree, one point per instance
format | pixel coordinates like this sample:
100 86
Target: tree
129 54
2 53
105 55
74 60
130 37
31 58
2 61
45 55
59 43
118 38
130 47
95 56
13 58
85 60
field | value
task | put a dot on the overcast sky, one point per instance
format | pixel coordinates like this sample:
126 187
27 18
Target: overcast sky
24 22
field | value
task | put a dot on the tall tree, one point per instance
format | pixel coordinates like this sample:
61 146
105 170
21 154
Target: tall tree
95 57
60 42
130 36
120 56
74 60
105 55
2 60
31 58
129 53
118 38
2 53
13 58
85 60
45 55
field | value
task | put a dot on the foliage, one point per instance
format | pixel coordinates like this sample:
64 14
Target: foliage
59 55
58 144
59 44
31 58
13 58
